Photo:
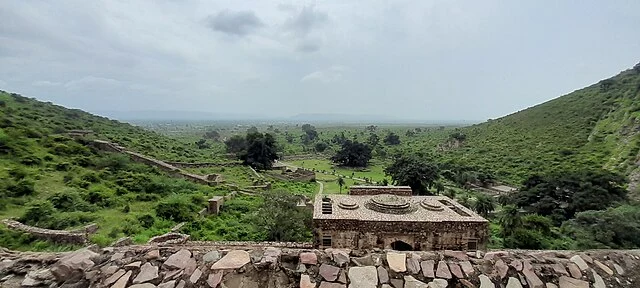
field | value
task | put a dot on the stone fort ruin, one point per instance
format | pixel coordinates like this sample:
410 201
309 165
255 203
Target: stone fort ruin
389 217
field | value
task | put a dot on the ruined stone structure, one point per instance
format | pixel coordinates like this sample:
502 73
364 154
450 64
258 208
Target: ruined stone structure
178 266
375 190
215 204
56 236
396 222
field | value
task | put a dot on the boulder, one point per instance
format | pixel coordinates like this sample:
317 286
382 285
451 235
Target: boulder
195 276
329 272
113 278
305 282
341 257
413 264
580 262
443 270
152 255
122 282
214 279
332 285
397 261
178 260
397 283
363 277
233 260
574 270
73 264
513 283
598 282
427 268
383 275
485 282
438 283
455 270
410 282
532 279
308 258
568 282
169 284
467 268
501 269
603 267
147 273
211 256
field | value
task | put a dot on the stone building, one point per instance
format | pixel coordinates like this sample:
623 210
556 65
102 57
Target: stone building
380 219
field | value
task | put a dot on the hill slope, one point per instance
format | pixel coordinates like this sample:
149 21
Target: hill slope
594 127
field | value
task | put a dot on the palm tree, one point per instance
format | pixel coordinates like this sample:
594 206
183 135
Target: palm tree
484 205
340 183
509 219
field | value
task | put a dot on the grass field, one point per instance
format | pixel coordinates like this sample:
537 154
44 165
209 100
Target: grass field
374 171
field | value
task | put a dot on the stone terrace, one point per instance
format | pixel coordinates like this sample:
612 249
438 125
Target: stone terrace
193 266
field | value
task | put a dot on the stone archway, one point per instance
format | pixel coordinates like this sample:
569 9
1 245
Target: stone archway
401 246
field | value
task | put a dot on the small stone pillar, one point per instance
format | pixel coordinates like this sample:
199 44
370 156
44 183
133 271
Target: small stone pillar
215 203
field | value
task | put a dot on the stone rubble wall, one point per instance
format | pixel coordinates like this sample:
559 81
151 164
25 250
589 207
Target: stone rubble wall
375 190
203 165
56 236
177 266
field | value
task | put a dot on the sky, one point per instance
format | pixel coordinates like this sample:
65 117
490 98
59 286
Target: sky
428 60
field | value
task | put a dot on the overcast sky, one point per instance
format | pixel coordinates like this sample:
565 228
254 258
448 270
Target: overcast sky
445 60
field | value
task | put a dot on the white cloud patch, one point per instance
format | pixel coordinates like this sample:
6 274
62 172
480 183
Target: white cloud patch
332 74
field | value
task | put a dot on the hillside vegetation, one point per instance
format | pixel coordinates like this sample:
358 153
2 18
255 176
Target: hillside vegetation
594 127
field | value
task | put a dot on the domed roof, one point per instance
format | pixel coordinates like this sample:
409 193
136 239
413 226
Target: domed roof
390 204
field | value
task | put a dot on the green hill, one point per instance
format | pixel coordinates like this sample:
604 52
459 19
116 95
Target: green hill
594 127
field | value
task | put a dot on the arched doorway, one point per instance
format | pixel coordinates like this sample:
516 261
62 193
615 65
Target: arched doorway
401 246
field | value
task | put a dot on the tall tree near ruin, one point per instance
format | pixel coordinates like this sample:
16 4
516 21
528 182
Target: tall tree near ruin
415 171
353 154
261 151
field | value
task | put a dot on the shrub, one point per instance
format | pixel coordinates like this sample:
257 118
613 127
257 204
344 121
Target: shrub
37 212
70 200
177 209
100 196
18 173
64 166
23 187
30 160
146 220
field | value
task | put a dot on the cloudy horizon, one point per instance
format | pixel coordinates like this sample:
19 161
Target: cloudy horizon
444 60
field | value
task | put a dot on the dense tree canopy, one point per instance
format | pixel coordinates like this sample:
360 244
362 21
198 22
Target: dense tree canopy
213 135
310 134
236 144
261 151
282 219
562 195
392 139
413 170
353 154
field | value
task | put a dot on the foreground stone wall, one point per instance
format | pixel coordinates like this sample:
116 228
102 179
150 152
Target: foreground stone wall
211 266
56 236
203 165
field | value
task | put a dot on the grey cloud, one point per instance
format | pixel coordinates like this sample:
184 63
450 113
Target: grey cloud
239 23
306 20
308 46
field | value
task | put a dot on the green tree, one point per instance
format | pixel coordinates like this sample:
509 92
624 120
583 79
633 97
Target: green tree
282 219
439 186
261 151
353 154
392 139
310 134
509 219
236 144
321 146
415 171
613 228
213 135
373 140
252 130
340 183
484 205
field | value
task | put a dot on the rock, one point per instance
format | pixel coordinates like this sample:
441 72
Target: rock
597 281
329 272
501 269
568 282
122 282
466 283
145 285
152 255
455 270
169 284
178 260
397 283
233 260
619 269
109 270
343 277
214 279
383 275
332 285
124 241
308 258
551 285
386 286
443 270
413 265
459 255
427 268
532 279
191 266
574 271
195 276
586 258
134 265
363 277
43 275
270 258
305 282
495 254
397 261
580 262
516 264
467 268
113 278
147 273
410 282
341 257
513 283
363 261
603 267
559 269
211 256
30 282
117 256
73 263
485 282
181 284
438 283
173 274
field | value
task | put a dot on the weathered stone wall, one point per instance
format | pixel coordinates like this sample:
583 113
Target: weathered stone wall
454 235
203 165
257 267
375 190
57 236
